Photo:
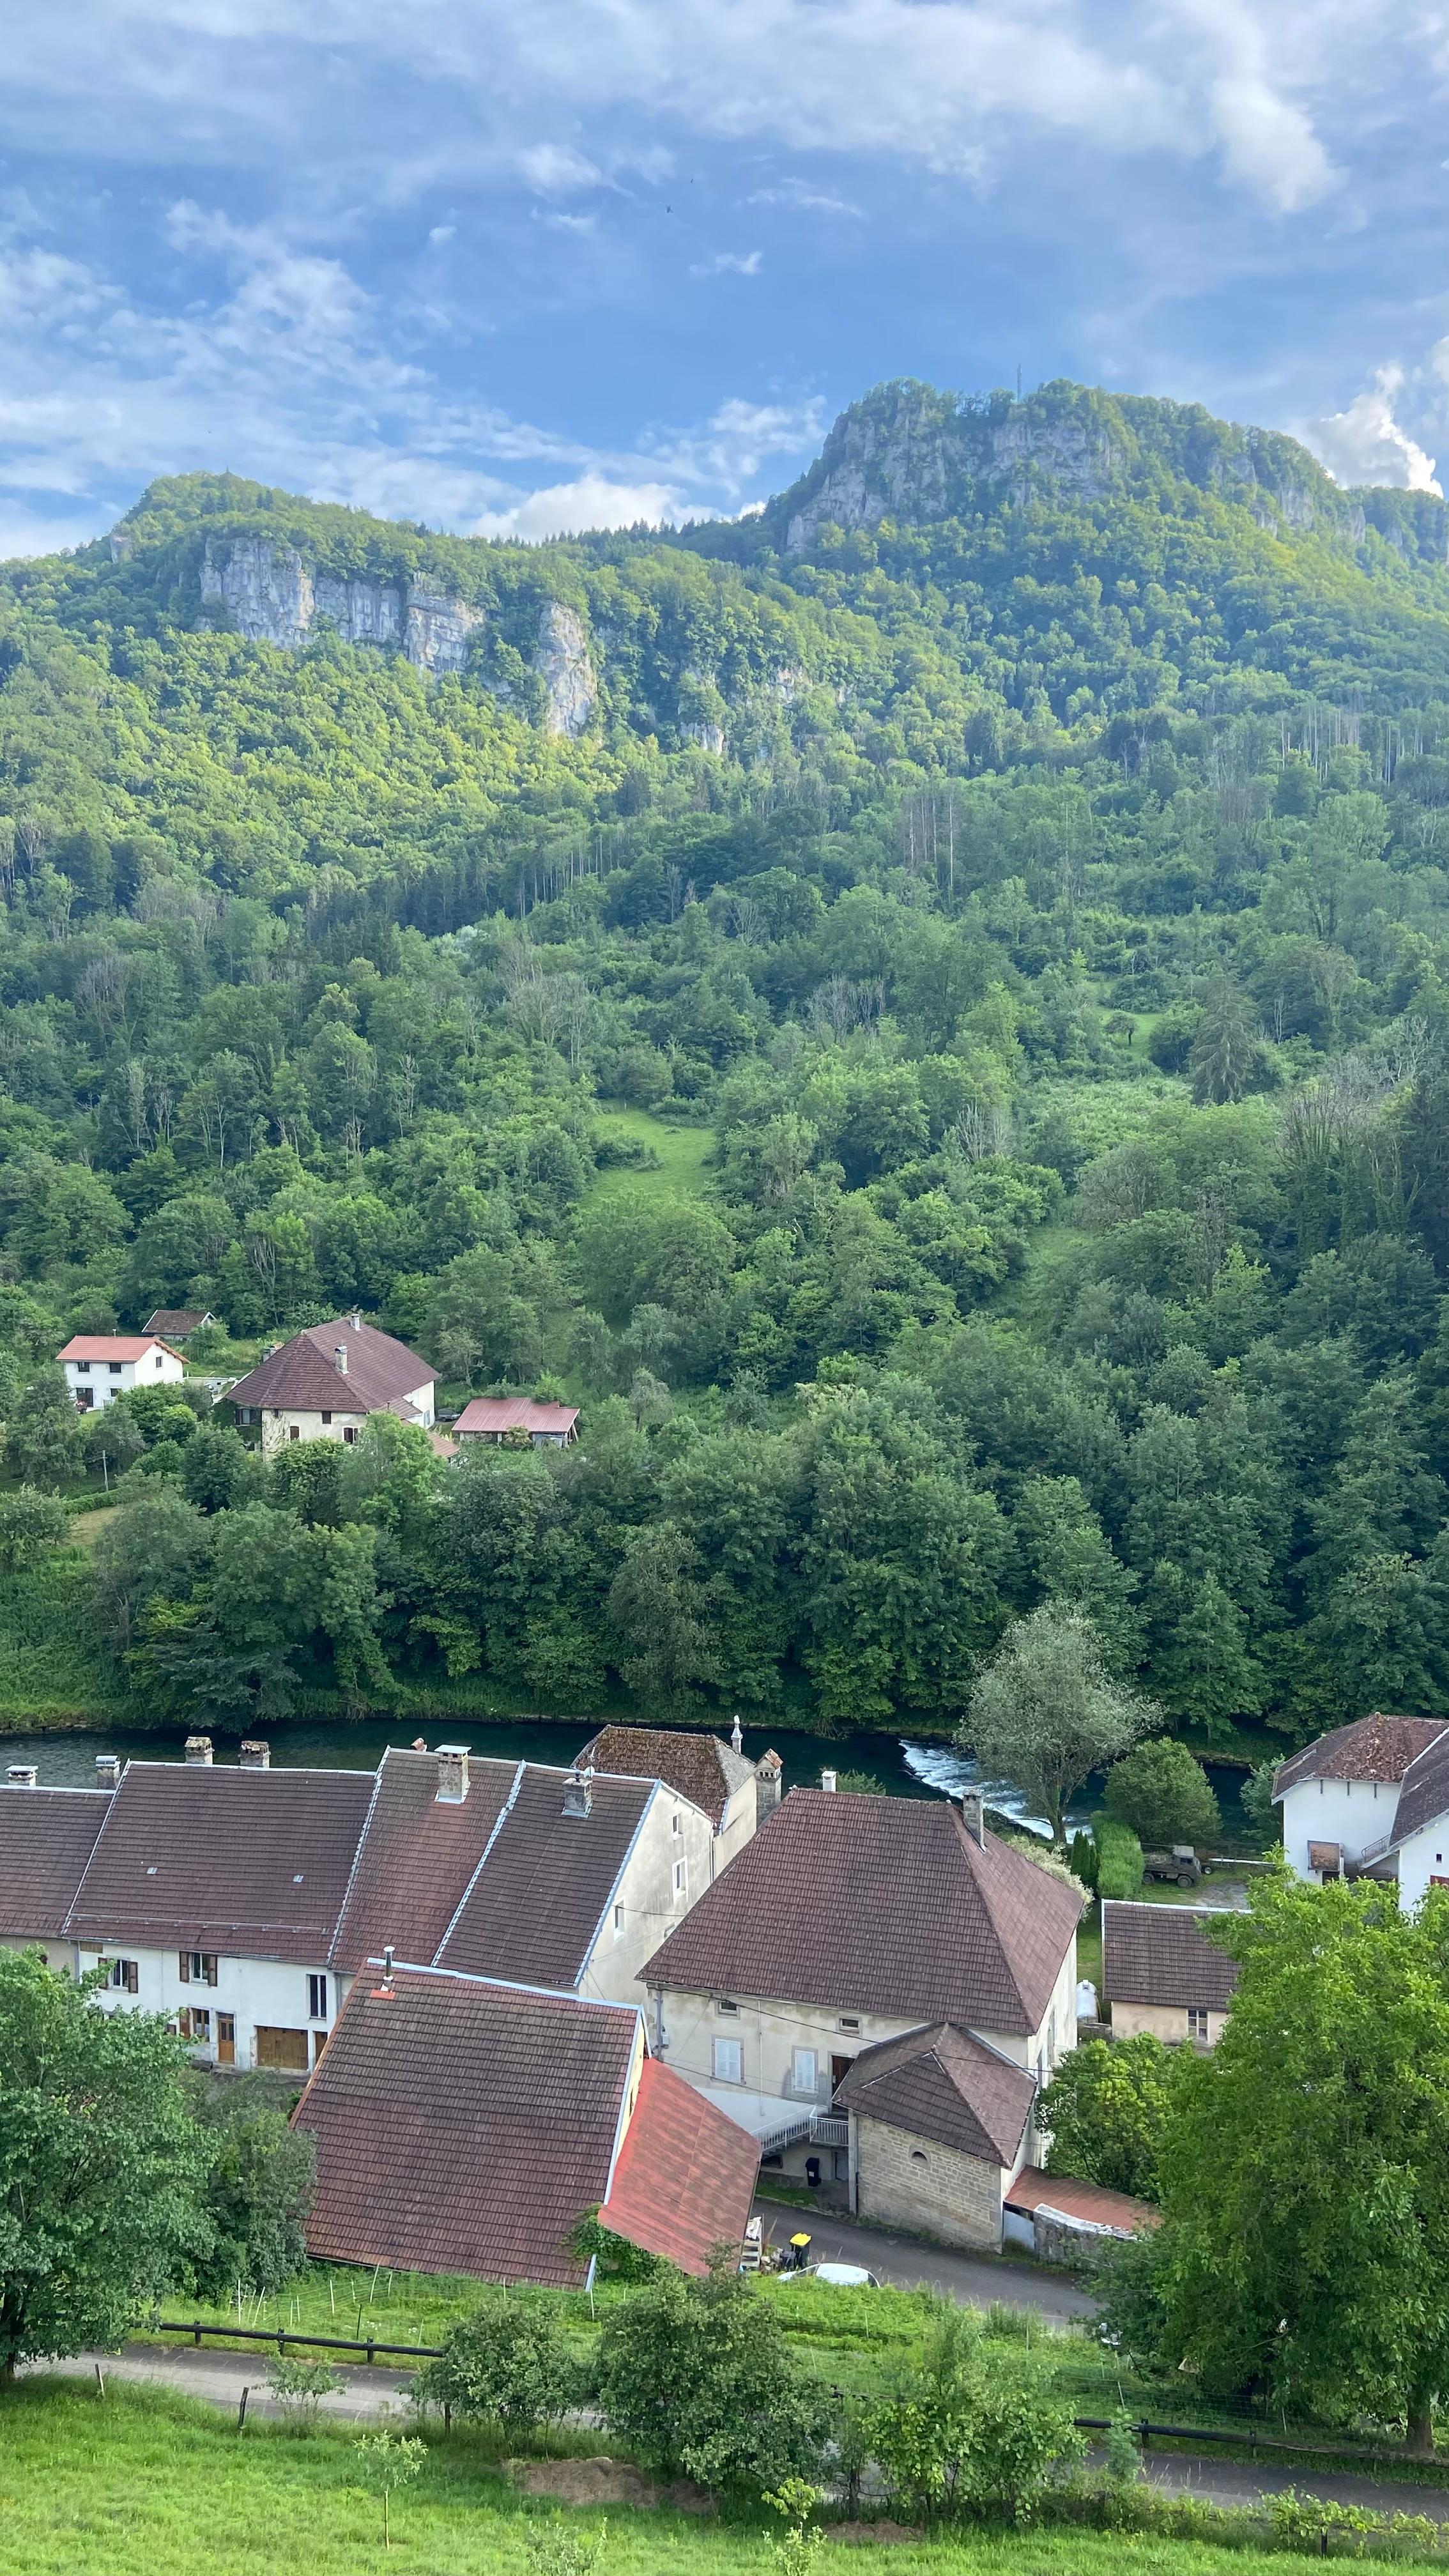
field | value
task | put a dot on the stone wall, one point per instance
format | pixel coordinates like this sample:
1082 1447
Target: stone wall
906 2181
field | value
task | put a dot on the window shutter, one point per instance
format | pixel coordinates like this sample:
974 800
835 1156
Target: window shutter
133 1976
185 1964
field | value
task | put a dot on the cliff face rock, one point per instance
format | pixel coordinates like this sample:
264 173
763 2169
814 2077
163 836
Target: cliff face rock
270 594
562 663
885 458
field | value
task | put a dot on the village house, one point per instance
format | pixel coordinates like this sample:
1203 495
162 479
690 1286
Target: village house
243 1901
176 1323
1349 1806
852 1921
324 1382
517 1419
100 1366
716 1777
1162 1975
467 2126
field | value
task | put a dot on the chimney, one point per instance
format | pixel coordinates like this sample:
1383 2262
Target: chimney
108 1770
339 1359
384 1993
256 1753
578 1793
198 1748
828 1779
769 1780
356 1322
452 1774
737 1741
23 1775
972 1816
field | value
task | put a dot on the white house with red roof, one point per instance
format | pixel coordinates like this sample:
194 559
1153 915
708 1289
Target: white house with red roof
1348 1797
324 1382
100 1366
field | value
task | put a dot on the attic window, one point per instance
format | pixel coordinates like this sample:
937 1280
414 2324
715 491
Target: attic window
918 2155
676 1822
725 2004
850 2021
151 1869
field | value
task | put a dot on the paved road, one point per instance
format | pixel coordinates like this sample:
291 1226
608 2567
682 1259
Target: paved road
1239 2482
220 2376
975 2279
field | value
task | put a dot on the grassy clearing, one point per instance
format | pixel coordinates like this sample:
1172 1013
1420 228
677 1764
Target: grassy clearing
681 1152
144 2483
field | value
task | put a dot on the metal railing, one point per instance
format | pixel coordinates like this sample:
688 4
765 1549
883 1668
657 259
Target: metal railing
281 2336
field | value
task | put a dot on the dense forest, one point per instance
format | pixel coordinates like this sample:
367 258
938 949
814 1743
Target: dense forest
925 1011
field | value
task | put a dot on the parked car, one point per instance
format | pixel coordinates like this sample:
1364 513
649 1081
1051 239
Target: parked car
837 2276
1181 1863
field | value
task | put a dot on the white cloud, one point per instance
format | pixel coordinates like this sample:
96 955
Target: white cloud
1366 444
557 170
729 263
590 501
796 198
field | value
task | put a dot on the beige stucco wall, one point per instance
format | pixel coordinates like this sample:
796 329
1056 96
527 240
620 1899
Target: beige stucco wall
1163 2021
277 1427
646 1893
905 2181
737 1824
58 1954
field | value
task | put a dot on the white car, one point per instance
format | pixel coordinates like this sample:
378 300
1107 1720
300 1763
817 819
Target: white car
836 2276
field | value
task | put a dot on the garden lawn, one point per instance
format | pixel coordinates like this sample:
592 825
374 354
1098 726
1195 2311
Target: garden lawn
681 1151
142 2483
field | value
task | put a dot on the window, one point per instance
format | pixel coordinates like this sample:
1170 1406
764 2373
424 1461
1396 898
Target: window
82 1368
726 2004
316 1999
198 1967
729 2061
676 1824
159 1362
123 1974
802 2070
850 2021
348 1438
679 1878
194 2024
1197 2021
326 1417
918 2155
114 1367
294 1433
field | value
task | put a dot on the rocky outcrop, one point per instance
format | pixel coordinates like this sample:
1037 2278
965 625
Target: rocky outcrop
271 594
562 663
881 460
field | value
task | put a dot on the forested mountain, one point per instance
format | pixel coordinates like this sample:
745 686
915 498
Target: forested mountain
1006 883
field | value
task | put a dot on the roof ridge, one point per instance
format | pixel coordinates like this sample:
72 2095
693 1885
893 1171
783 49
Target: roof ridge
969 1845
494 1830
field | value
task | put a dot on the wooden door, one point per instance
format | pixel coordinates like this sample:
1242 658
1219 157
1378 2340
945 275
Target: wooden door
226 2039
287 2048
839 2068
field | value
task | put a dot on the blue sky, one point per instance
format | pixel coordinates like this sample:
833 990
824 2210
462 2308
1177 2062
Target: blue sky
523 265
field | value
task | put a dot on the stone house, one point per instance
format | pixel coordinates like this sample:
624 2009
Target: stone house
1161 1975
324 1382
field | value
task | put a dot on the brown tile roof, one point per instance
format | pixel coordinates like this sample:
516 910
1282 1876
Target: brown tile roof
416 1857
941 2083
113 1346
1088 2201
533 1910
1425 1791
302 1376
251 1864
1373 1748
465 2127
686 2175
492 1414
46 1838
173 1323
883 1905
700 1767
1156 1954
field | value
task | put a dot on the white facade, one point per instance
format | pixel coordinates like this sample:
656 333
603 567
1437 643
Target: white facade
282 1424
240 2012
1353 1815
668 1867
1424 1860
95 1383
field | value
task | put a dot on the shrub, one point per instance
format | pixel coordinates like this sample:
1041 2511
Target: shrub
299 2388
1105 2108
972 2434
1083 1857
507 2363
1161 1792
616 2258
1119 1860
695 2376
30 1522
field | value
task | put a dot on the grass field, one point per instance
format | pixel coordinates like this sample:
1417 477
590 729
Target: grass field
143 2483
681 1152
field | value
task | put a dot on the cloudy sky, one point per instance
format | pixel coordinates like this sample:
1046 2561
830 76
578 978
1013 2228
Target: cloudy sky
522 265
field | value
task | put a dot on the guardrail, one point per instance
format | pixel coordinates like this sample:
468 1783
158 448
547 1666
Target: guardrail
281 2336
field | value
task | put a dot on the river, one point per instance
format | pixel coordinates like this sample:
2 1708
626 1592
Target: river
896 1763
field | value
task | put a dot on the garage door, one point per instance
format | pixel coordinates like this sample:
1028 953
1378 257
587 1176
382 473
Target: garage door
282 2048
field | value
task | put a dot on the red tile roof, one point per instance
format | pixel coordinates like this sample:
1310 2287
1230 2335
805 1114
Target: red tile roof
941 2083
1373 1748
46 1838
1087 2201
1156 1954
303 1377
1425 1791
113 1346
882 1905
700 1767
250 1864
685 2177
537 1902
491 1414
416 1858
465 2127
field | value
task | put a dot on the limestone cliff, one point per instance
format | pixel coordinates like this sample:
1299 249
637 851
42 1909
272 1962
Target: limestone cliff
271 594
562 663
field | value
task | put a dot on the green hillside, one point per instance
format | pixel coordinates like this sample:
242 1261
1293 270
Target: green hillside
922 1009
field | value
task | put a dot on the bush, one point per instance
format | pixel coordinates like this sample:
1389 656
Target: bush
1161 1792
696 2378
505 2363
299 2388
1119 1860
972 2434
258 2196
1083 1858
1105 2109
30 1522
616 2258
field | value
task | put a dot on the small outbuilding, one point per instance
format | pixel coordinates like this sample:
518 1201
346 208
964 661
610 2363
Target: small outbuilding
1162 1975
494 1417
939 2124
